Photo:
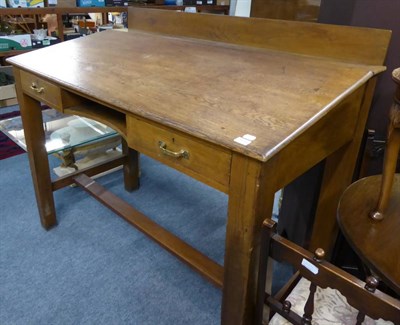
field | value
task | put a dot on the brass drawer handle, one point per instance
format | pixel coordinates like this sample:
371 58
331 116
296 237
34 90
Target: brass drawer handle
35 88
176 154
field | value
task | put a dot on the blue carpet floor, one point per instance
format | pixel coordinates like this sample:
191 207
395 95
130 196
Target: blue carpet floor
94 268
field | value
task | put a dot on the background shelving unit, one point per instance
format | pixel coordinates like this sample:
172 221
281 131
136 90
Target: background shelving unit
59 12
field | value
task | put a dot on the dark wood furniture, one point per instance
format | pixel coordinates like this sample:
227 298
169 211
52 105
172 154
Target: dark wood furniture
318 292
370 218
243 105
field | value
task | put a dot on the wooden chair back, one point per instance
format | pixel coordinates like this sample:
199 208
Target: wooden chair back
364 297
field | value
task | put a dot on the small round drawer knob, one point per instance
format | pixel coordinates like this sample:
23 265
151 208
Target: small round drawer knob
319 254
371 283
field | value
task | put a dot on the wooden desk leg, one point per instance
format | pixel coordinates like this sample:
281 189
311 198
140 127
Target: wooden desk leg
250 202
31 113
338 174
131 167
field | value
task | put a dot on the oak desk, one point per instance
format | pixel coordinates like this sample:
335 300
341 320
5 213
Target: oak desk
243 105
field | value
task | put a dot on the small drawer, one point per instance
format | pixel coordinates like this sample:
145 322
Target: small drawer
199 159
42 90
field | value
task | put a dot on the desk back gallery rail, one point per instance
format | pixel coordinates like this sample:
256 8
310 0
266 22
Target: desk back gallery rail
354 45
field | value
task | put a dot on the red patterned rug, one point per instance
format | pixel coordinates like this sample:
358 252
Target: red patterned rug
8 148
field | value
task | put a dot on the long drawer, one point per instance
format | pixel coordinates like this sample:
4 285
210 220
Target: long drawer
199 159
46 92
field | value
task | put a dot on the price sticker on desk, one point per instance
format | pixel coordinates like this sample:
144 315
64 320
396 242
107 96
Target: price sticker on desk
245 139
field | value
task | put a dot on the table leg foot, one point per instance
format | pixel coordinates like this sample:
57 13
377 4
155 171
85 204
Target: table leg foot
48 225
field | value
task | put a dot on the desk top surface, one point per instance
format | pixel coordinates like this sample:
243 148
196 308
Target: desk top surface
212 90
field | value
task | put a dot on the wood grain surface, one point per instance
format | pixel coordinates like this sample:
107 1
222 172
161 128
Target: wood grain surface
214 91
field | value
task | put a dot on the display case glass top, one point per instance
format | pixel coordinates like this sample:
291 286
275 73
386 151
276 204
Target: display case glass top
62 131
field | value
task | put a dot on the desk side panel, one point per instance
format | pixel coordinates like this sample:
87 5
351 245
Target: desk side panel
342 43
321 140
338 174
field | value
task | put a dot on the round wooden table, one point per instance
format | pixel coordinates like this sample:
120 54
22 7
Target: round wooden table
376 242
